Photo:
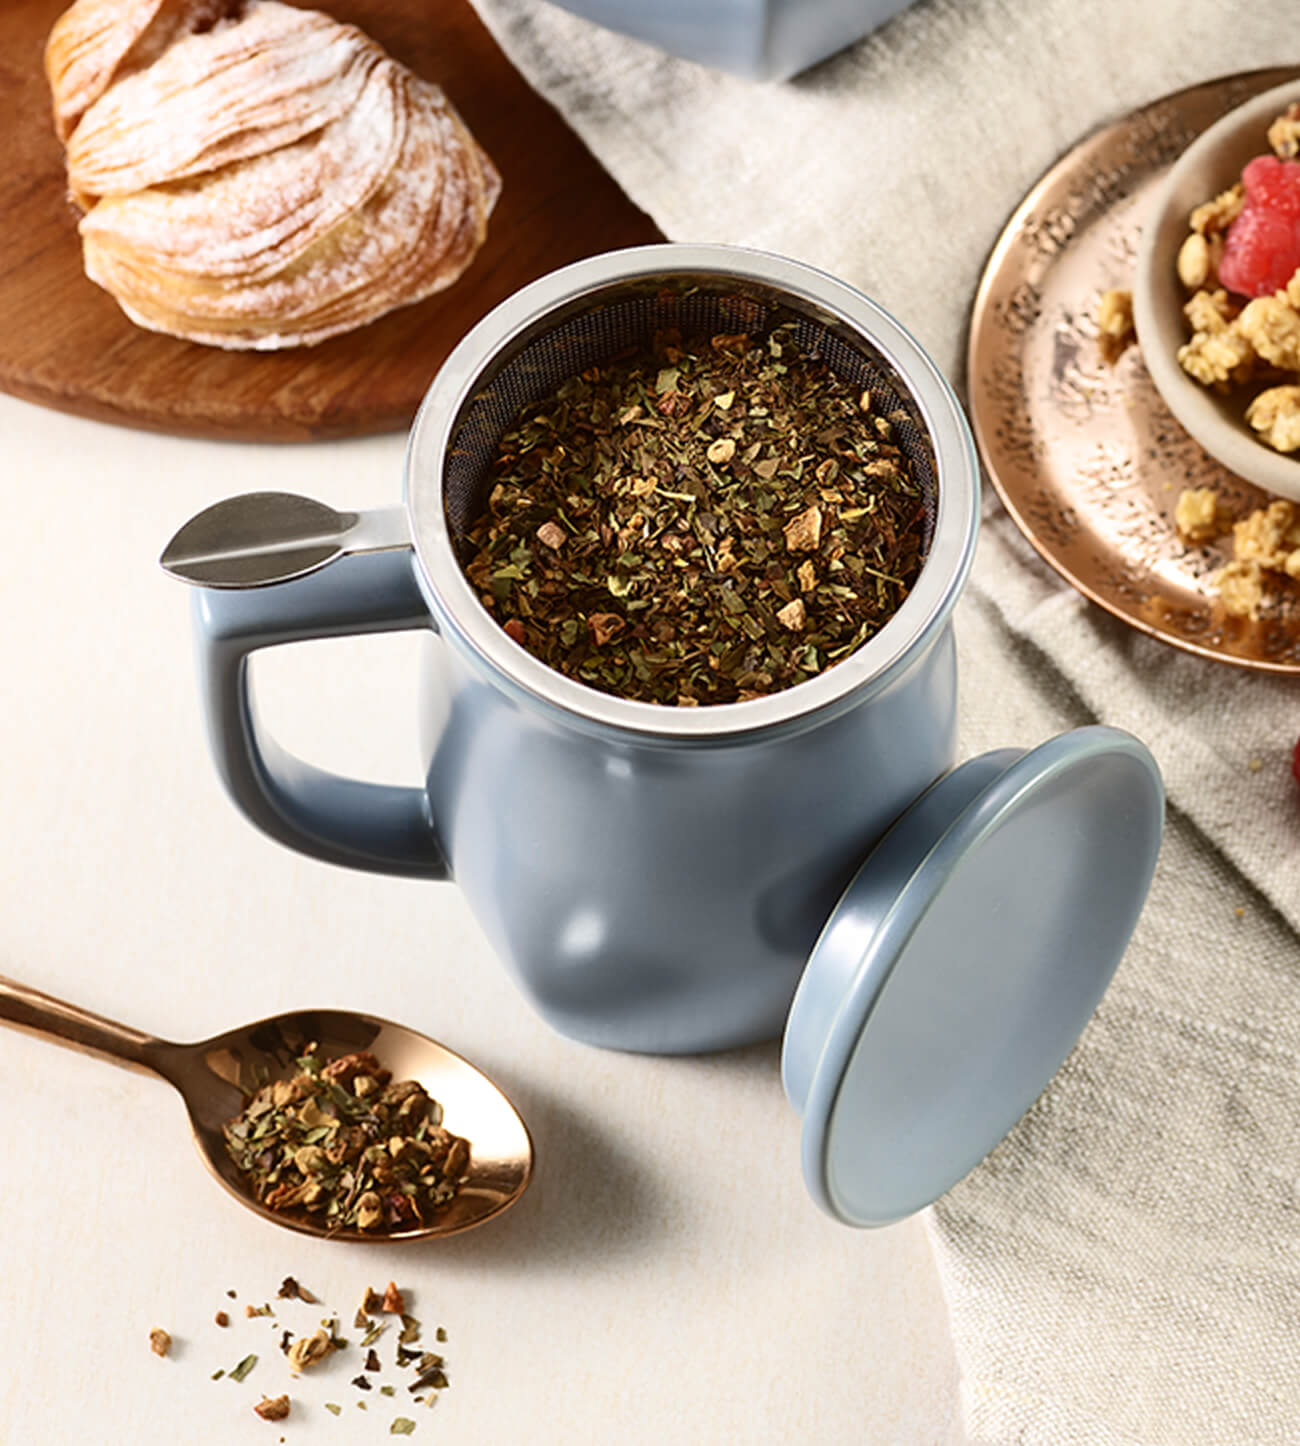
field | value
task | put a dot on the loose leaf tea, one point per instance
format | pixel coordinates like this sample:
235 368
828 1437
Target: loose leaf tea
243 1368
426 1368
345 1141
272 1408
712 521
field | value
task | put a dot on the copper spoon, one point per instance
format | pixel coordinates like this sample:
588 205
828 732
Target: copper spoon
213 1076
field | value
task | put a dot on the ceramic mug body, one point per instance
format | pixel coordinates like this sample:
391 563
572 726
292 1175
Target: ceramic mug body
653 877
764 39
665 898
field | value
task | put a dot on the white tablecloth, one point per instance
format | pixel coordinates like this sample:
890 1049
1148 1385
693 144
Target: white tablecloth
665 1279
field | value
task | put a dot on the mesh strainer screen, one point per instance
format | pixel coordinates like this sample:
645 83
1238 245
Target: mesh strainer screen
626 323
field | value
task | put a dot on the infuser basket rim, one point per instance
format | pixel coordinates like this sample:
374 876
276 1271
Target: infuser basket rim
461 617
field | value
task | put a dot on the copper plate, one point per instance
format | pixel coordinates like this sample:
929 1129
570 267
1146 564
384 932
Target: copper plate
1087 458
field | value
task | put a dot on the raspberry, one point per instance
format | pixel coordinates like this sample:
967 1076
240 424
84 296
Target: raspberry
1261 250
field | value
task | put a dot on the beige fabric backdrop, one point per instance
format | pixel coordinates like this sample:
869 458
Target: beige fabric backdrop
1123 1270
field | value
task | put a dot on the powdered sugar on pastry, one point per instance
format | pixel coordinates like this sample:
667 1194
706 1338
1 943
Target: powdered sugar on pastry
256 215
275 181
99 41
221 96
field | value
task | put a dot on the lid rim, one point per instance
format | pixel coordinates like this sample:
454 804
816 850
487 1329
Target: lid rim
884 951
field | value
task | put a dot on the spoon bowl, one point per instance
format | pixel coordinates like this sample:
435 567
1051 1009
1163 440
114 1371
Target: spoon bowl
215 1077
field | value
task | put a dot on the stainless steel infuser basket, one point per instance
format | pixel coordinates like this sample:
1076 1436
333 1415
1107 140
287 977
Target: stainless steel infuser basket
614 305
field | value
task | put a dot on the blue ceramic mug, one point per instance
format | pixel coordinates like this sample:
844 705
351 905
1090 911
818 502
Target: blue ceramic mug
762 39
654 877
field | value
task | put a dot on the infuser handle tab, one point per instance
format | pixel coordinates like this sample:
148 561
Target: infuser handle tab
382 828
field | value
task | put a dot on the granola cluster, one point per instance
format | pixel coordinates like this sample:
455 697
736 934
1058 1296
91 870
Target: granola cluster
1255 344
1265 546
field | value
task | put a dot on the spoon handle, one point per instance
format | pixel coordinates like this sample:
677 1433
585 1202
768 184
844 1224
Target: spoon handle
28 1009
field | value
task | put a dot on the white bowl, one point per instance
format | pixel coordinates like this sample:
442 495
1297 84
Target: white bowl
1217 421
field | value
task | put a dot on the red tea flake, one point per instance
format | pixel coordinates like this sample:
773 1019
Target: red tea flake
272 1408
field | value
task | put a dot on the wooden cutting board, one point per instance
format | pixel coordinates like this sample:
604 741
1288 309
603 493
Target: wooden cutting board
65 344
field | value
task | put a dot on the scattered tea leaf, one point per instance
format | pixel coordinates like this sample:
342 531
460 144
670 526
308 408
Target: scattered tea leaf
272 1408
242 1369
308 1351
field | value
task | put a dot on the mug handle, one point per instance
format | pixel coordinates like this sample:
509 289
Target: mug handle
378 827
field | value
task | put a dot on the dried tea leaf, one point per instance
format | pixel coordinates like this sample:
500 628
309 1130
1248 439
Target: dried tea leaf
242 1369
345 1144
698 489
308 1351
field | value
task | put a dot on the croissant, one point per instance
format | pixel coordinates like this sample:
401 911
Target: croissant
270 179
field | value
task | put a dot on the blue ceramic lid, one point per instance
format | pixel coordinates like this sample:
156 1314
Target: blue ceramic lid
962 963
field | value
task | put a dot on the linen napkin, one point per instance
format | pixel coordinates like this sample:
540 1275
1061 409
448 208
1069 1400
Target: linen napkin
1123 1268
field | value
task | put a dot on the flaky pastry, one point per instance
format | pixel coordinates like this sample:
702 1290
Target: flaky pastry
99 41
272 179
